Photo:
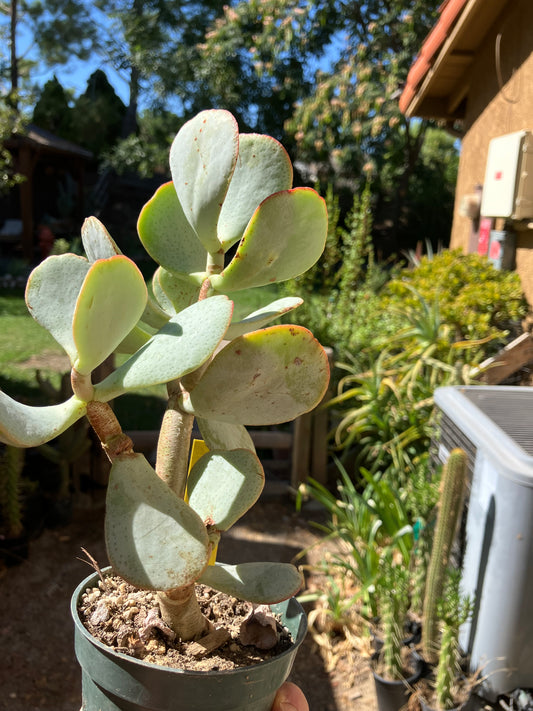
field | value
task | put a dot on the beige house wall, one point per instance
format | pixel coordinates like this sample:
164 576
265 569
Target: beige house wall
493 110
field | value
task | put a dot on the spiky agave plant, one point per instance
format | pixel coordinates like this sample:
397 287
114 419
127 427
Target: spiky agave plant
160 526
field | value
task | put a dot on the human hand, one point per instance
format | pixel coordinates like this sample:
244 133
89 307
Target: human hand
290 698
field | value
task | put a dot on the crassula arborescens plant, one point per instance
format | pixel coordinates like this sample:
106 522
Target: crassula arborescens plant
161 524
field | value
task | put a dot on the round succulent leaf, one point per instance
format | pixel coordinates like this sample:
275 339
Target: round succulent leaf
58 275
182 345
162 300
153 315
97 242
202 160
135 339
263 316
261 583
110 303
284 238
223 485
27 426
154 539
224 435
167 235
181 292
263 378
263 168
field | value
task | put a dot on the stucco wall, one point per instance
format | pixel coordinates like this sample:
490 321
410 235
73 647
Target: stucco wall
491 112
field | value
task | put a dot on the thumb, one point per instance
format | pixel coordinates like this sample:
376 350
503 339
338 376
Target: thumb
290 698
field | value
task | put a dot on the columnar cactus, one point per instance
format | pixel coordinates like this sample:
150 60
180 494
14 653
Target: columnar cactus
393 611
453 485
161 526
453 611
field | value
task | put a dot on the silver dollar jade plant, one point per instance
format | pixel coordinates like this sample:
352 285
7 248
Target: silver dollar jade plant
161 525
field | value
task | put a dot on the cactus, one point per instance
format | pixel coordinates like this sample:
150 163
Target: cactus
421 556
393 611
452 490
161 527
453 611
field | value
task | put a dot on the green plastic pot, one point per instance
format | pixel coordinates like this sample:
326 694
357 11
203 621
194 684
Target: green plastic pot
112 681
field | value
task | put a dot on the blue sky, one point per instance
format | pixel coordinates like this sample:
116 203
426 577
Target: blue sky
73 75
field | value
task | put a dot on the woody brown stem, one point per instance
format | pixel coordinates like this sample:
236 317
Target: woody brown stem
108 430
180 610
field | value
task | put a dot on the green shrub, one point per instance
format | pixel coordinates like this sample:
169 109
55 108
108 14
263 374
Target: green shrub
341 292
476 300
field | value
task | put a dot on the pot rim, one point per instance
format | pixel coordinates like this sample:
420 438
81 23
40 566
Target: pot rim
302 631
418 664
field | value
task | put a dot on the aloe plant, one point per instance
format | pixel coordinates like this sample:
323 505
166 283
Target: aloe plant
162 527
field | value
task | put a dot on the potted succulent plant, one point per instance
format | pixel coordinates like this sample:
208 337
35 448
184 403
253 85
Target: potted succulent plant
162 524
396 666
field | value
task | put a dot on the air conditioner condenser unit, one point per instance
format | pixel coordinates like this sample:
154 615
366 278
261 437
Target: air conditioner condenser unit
494 425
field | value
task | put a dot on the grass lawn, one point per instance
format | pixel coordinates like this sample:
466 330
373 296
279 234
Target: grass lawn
21 338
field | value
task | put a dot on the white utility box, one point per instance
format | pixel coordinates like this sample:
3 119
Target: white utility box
494 425
508 186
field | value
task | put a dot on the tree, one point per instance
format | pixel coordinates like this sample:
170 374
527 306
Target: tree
154 43
62 29
345 124
151 43
97 115
258 57
52 110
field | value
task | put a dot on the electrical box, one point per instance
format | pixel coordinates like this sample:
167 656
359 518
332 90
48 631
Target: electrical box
508 186
494 425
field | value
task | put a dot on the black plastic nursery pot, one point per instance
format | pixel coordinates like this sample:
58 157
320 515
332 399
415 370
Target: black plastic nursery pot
468 704
112 681
393 695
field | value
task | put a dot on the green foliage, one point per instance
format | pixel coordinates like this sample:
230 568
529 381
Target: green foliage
372 526
384 414
146 151
340 105
97 115
476 300
52 110
10 122
341 292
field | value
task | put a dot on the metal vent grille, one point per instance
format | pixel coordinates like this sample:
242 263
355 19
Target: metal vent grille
450 436
511 411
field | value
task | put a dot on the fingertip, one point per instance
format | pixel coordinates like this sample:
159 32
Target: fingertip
290 698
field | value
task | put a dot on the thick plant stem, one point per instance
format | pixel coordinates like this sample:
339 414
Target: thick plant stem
174 444
180 610
452 491
108 429
173 447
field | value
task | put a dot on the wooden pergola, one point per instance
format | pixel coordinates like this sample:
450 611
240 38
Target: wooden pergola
31 148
